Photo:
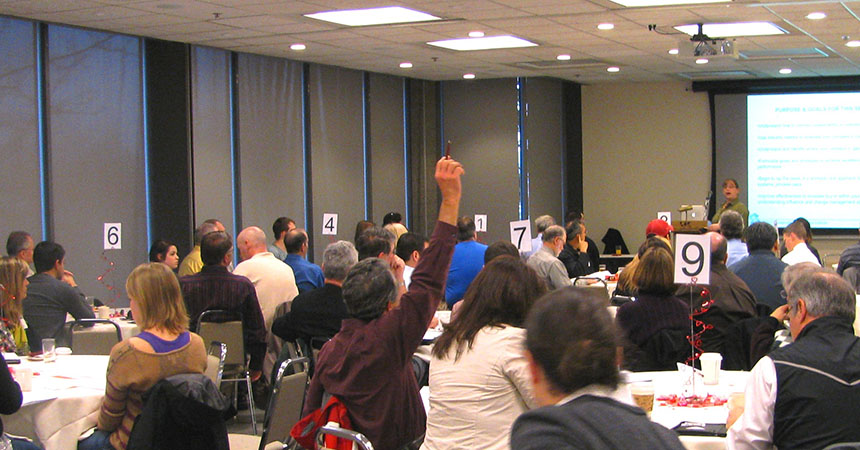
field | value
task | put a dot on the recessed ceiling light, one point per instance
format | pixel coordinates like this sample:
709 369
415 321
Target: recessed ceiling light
298 47
721 30
702 61
168 6
474 34
469 76
605 26
484 43
852 44
613 69
785 71
816 16
673 51
406 65
638 3
373 16
564 57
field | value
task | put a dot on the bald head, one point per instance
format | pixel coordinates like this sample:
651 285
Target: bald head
251 240
719 248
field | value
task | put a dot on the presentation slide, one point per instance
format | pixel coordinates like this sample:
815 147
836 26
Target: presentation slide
804 159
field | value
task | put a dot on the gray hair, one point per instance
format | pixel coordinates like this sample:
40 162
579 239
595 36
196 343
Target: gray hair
204 229
731 225
795 271
338 258
552 232
368 289
544 222
825 294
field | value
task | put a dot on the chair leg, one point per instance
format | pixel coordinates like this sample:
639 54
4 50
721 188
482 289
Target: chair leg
251 401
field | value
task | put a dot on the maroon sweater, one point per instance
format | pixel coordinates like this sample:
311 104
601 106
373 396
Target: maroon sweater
367 365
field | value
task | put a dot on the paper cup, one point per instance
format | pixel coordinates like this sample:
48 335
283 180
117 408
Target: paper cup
643 395
103 312
24 377
711 367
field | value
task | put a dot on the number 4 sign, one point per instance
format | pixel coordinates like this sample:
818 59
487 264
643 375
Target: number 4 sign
329 224
521 235
692 258
113 236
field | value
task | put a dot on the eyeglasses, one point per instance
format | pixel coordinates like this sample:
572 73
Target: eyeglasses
783 294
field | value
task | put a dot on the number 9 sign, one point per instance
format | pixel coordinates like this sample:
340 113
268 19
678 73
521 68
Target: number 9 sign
692 258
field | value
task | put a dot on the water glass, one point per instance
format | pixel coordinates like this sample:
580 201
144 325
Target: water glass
49 349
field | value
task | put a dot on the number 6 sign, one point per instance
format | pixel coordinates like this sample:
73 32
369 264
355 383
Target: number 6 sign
113 236
692 258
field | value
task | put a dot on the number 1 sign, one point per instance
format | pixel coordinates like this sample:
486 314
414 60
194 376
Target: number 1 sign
692 258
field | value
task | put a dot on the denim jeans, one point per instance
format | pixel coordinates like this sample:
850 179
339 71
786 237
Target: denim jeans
99 440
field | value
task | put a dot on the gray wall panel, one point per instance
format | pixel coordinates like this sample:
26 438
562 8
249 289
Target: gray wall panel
211 139
19 139
97 155
270 140
337 151
388 178
543 131
730 121
480 119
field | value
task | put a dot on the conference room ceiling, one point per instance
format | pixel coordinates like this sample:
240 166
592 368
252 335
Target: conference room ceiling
269 27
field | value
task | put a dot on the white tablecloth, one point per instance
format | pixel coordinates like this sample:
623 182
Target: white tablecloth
64 402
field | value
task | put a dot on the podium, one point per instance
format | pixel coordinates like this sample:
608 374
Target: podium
690 226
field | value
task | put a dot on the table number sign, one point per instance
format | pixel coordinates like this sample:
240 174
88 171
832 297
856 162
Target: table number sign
481 223
665 216
113 236
692 259
329 224
521 235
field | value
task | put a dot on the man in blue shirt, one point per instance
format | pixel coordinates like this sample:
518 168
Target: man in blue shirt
308 275
467 261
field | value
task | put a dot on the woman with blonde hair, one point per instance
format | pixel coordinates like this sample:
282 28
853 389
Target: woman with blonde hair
164 348
13 289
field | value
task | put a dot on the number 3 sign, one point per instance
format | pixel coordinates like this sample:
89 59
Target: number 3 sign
692 258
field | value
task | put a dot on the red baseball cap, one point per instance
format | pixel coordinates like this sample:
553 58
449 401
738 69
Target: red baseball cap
659 227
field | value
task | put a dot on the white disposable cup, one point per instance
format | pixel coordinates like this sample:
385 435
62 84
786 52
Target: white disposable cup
711 367
643 394
24 377
103 312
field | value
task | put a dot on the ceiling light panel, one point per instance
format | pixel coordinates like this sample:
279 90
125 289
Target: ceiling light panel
484 43
373 16
641 3
722 30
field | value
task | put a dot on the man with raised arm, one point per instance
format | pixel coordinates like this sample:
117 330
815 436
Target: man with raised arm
368 364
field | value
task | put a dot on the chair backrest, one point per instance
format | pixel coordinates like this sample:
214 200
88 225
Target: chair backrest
844 446
215 357
357 438
592 283
212 327
286 402
85 338
618 300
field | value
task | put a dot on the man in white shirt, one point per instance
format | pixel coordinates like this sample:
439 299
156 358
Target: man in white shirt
273 280
409 248
794 236
805 395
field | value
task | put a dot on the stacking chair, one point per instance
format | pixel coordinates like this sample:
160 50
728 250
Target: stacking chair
284 410
215 357
226 326
584 281
357 438
83 339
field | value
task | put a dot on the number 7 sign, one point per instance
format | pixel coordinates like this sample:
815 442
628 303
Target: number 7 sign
521 235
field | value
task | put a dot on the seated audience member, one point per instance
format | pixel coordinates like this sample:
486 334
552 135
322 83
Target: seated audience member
541 224
51 295
192 263
479 379
468 260
164 348
360 227
13 290
660 228
272 279
308 275
392 217
397 229
11 398
808 240
805 395
771 333
216 288
164 252
625 285
794 236
761 270
571 349
319 312
545 261
500 248
20 245
409 248
368 364
732 299
655 310
593 251
732 228
280 228
574 255
850 258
